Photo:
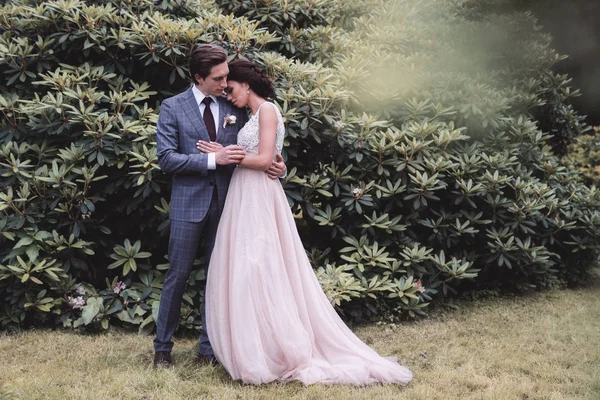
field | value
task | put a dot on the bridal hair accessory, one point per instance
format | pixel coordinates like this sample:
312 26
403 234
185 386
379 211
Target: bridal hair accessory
229 120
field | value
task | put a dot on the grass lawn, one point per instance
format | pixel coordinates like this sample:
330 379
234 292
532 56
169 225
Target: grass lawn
540 346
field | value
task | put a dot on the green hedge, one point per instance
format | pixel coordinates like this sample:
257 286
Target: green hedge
417 137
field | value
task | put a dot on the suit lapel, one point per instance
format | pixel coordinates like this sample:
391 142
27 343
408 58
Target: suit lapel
192 110
223 112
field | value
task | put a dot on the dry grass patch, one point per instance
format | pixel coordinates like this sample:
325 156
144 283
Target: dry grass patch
542 346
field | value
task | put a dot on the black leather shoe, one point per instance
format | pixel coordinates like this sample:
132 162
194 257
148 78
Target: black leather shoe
162 359
207 360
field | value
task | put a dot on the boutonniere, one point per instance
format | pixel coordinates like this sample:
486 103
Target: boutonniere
229 120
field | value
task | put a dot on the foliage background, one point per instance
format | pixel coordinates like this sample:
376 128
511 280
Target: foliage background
423 140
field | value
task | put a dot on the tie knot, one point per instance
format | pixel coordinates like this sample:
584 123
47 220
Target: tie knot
207 100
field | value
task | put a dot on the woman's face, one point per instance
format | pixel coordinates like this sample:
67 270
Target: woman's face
237 93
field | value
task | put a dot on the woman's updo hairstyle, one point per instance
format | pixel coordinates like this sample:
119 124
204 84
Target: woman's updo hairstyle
244 71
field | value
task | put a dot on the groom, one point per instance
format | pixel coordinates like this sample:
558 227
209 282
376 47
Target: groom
200 181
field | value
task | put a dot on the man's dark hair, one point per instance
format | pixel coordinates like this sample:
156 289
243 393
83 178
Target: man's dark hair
244 71
203 57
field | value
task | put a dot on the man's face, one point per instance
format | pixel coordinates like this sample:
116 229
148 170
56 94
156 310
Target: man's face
215 82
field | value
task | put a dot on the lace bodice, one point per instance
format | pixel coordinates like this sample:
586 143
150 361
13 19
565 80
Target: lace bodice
249 136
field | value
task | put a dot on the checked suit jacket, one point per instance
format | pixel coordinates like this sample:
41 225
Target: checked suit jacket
180 126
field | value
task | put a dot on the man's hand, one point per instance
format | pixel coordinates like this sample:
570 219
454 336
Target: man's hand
232 154
277 168
208 147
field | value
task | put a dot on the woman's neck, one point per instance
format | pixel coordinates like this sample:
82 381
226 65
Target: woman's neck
254 102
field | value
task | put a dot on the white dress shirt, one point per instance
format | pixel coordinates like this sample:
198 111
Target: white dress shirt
214 108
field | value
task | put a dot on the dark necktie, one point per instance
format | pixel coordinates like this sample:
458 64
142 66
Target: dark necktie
209 120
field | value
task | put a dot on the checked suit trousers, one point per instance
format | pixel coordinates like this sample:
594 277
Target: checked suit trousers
183 245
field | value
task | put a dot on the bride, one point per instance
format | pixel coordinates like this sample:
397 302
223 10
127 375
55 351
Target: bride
268 318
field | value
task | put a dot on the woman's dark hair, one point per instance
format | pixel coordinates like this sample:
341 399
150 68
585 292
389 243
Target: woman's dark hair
203 57
244 71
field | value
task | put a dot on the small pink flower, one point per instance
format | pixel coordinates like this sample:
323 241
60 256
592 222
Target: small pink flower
119 287
76 303
419 286
80 290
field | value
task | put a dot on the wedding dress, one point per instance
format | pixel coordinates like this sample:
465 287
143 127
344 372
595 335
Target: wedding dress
267 317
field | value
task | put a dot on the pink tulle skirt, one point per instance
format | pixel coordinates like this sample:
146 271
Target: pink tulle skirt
267 317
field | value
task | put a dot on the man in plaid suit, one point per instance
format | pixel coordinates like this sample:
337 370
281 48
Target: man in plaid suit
200 181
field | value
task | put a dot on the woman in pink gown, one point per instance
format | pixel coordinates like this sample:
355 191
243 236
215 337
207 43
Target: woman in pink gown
268 318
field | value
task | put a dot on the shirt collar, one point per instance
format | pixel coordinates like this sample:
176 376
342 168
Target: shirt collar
199 96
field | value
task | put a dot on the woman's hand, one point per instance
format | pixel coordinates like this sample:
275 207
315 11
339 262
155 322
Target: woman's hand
208 147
